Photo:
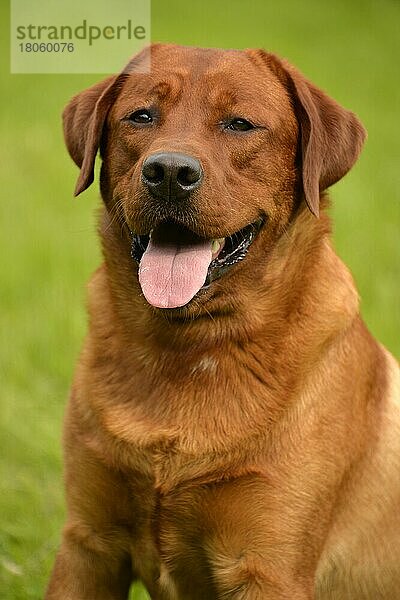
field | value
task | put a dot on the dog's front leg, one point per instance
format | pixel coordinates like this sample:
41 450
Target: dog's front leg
94 561
83 573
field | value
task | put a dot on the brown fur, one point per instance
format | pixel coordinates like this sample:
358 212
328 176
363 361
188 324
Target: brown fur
247 445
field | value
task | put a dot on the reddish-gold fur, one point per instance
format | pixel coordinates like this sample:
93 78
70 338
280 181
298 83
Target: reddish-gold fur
246 446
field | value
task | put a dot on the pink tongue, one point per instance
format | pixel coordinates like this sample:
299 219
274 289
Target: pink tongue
170 275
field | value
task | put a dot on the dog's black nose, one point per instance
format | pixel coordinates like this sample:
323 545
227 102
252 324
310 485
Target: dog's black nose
171 175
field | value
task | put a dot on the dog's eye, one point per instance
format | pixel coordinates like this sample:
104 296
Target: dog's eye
239 125
142 116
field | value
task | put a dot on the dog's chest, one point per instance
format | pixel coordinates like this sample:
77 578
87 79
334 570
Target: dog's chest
169 487
163 494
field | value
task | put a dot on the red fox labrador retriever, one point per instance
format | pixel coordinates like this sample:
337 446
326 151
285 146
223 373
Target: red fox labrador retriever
233 429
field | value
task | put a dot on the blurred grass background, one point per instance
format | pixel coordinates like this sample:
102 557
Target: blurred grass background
48 245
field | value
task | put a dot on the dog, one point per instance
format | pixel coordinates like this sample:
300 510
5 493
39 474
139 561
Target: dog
233 429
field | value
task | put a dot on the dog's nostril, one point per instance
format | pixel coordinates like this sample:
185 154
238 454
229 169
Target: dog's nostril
153 172
188 175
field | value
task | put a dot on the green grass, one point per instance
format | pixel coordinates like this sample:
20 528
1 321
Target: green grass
48 243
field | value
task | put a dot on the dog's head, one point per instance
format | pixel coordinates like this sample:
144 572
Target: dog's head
206 159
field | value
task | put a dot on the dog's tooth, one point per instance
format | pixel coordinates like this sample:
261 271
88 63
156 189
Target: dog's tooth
215 246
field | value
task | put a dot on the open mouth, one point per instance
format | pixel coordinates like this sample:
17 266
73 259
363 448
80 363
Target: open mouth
176 263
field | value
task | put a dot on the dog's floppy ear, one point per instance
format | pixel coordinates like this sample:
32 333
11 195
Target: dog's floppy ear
331 136
83 121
